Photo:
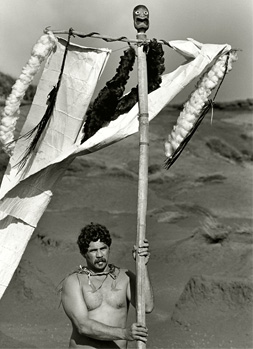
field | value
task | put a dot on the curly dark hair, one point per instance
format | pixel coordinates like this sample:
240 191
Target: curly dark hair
93 232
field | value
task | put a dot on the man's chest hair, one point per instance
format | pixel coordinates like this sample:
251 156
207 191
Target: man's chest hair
111 294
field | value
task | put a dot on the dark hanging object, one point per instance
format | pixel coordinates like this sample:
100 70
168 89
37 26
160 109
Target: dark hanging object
51 100
155 65
110 104
155 68
101 111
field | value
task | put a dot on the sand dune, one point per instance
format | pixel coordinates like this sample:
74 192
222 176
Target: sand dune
199 224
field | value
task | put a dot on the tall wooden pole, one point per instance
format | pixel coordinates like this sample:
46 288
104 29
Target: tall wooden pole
143 165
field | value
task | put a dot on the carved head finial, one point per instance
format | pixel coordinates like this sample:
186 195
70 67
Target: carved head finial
141 18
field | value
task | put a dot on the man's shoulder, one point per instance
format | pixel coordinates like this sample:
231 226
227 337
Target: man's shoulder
70 280
71 277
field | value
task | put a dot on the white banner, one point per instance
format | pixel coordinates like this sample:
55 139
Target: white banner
26 194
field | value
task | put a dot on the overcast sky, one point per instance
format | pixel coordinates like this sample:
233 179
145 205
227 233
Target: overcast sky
208 21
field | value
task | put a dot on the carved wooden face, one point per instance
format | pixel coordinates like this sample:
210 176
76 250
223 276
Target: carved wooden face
141 18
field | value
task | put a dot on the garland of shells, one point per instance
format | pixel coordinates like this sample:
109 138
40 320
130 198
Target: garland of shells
196 107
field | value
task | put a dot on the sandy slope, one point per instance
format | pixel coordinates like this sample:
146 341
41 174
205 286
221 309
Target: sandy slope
199 225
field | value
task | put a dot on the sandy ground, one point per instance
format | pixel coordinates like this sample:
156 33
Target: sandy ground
199 225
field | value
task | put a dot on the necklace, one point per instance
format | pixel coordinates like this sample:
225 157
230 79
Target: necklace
94 289
111 272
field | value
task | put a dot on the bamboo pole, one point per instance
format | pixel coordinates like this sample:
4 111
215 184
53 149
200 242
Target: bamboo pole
143 179
142 185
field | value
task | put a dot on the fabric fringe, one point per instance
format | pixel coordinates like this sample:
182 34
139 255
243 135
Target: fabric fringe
39 129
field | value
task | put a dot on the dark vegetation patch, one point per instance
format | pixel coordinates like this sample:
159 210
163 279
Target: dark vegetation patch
51 245
247 136
46 241
214 232
224 149
154 168
214 178
84 166
120 172
196 209
168 214
156 179
248 154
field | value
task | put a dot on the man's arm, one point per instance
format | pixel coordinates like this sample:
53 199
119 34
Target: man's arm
143 251
76 309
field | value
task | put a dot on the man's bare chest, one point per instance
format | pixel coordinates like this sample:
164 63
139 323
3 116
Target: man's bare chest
104 292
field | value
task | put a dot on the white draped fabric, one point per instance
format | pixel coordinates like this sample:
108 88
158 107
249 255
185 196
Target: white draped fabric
26 194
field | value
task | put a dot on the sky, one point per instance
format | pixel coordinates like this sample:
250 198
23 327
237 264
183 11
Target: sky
209 21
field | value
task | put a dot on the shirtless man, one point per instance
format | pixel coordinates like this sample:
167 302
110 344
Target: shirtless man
96 298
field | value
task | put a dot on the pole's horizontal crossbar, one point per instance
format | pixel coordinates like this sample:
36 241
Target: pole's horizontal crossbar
103 37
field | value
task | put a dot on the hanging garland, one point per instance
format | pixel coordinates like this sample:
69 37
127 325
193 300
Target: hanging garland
100 113
155 68
155 65
196 107
40 52
110 104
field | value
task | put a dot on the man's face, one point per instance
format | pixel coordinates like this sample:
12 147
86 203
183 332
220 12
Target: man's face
97 256
141 18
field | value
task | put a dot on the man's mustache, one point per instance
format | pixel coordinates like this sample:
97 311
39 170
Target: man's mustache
100 260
